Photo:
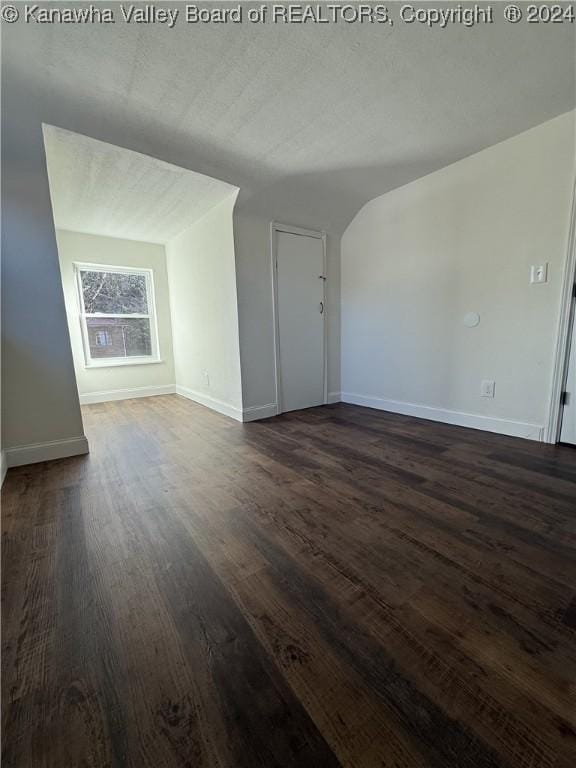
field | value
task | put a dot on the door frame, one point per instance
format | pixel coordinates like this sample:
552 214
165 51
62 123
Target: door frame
275 228
563 336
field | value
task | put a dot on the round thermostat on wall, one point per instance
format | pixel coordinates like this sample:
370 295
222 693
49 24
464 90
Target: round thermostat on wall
471 319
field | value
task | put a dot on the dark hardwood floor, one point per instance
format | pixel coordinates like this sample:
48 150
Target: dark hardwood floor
333 587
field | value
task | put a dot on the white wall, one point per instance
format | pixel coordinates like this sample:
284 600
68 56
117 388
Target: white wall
416 260
39 396
202 280
126 380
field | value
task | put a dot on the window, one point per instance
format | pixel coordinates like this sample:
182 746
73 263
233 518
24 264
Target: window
103 338
117 315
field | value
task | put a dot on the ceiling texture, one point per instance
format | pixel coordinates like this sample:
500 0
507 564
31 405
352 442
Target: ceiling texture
101 189
310 121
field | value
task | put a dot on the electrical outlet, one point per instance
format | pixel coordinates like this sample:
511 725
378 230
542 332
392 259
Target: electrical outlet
206 379
487 388
539 273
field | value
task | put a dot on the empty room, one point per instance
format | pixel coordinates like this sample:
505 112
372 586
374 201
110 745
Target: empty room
288 384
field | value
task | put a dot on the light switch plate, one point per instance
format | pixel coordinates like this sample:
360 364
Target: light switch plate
539 273
487 388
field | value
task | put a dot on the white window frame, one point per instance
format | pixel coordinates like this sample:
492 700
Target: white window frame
108 362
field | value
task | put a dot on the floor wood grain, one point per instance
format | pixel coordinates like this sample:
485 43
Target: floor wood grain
332 587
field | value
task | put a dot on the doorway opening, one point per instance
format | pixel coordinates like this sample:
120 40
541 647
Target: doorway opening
148 270
562 413
568 411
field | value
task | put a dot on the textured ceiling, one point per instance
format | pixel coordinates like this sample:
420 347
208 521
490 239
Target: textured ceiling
310 121
102 189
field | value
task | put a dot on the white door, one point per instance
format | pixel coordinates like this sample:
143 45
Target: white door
568 431
300 312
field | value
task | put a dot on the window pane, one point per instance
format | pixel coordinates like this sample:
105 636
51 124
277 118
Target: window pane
119 293
119 337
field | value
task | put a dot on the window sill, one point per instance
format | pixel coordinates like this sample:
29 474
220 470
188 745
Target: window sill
115 362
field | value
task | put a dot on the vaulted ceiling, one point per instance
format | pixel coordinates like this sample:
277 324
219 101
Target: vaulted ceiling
101 189
309 120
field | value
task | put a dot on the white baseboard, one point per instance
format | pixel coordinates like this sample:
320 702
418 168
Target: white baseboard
256 412
54 449
3 467
459 418
126 394
210 402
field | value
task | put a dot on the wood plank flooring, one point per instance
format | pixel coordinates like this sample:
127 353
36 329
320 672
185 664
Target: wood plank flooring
333 587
